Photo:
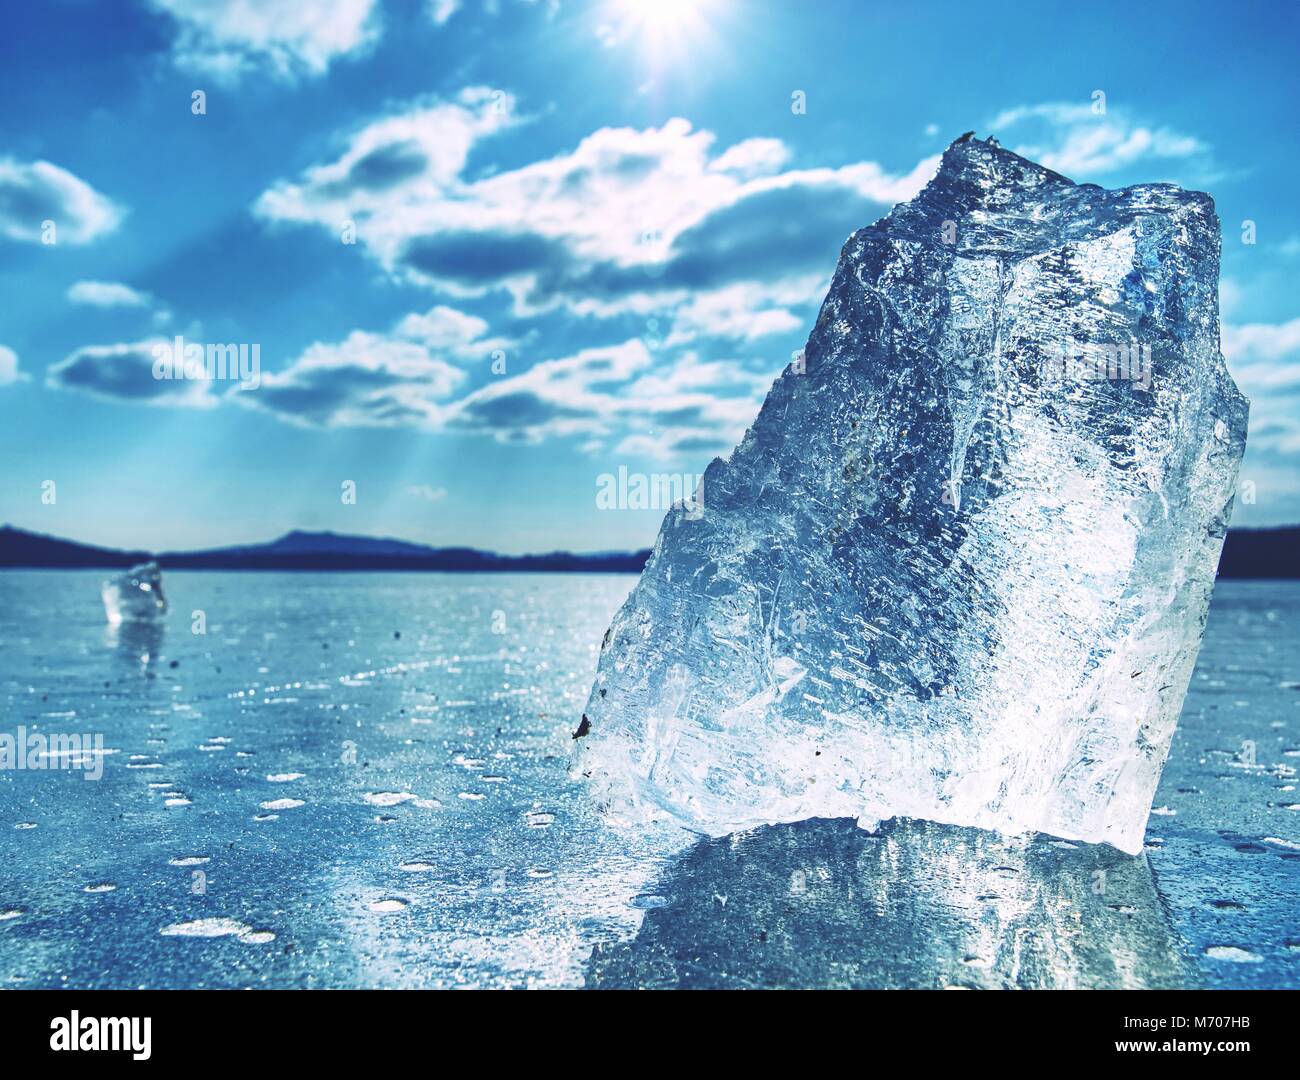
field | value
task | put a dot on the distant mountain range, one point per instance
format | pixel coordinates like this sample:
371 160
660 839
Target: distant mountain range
1247 553
1261 553
307 551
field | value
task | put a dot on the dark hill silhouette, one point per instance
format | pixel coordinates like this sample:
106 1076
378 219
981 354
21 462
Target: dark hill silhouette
307 551
1261 553
1247 553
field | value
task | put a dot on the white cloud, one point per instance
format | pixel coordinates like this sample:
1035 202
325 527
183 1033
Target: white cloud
426 493
442 10
366 380
399 162
1231 295
34 192
125 373
371 379
1264 357
107 294
751 158
569 396
716 247
228 38
629 220
402 377
746 311
1280 433
665 408
1073 140
1265 362
1261 341
9 372
671 409
452 332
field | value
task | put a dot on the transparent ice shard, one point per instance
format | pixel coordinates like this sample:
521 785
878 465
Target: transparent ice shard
958 568
135 596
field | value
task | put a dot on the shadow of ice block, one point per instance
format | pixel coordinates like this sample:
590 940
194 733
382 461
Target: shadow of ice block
135 596
916 905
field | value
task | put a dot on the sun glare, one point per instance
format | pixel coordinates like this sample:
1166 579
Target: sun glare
664 26
659 13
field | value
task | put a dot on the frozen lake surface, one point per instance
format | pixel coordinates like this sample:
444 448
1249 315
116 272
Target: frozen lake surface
356 780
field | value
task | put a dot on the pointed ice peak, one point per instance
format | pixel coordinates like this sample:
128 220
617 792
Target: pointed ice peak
986 160
986 199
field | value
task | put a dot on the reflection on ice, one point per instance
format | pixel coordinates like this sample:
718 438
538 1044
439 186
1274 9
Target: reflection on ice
136 643
916 905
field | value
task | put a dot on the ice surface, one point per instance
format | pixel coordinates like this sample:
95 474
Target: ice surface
817 903
958 568
135 596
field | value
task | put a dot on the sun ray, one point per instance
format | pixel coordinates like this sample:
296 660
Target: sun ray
664 30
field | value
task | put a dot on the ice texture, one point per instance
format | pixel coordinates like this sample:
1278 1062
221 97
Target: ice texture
958 569
135 596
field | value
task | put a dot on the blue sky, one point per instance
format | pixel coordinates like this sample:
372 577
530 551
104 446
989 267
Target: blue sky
588 234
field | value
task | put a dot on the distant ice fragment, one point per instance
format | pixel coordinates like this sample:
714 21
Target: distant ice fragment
135 596
958 569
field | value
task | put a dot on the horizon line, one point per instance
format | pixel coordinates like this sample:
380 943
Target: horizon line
432 548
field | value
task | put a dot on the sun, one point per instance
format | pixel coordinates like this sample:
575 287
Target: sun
656 15
660 26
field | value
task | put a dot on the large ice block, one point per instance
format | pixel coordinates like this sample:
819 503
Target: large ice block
135 596
958 568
